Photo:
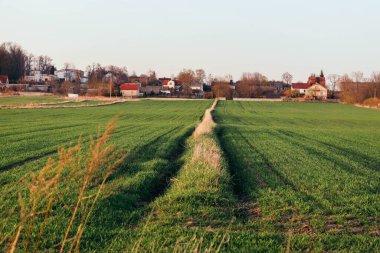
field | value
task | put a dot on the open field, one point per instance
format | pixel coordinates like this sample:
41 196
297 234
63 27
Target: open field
150 131
272 177
311 171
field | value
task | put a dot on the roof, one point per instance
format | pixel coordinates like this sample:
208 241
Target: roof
129 86
300 85
165 82
3 79
317 86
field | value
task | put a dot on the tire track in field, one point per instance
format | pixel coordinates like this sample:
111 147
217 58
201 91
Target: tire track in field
250 207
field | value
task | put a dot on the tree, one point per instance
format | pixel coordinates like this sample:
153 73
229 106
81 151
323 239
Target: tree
347 88
186 77
200 76
12 61
44 64
152 77
287 78
29 64
333 80
358 77
221 88
250 84
118 74
376 84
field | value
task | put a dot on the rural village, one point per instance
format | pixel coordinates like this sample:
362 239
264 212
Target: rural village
190 126
36 75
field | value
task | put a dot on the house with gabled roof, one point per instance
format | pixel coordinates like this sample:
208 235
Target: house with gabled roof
130 90
300 87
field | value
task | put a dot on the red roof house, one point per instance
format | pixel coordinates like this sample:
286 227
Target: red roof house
129 86
300 87
130 89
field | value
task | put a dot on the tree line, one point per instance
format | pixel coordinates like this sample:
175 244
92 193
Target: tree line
356 88
16 63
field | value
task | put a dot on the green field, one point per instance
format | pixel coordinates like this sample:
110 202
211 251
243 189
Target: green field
312 170
272 177
151 132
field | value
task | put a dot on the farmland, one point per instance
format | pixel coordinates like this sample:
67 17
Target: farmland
311 171
150 131
268 177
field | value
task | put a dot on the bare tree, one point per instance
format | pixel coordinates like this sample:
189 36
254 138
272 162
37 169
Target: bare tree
29 64
287 78
376 84
200 75
12 61
186 77
221 88
152 77
251 83
358 77
333 80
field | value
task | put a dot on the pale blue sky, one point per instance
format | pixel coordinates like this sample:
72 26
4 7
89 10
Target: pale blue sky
223 37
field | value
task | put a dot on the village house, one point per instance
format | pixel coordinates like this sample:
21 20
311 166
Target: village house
4 79
130 90
316 91
38 77
69 74
300 87
168 85
279 86
152 90
164 81
315 88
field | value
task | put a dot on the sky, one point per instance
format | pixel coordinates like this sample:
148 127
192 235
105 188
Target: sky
221 36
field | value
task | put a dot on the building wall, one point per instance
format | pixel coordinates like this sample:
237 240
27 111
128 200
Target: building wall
317 91
301 91
130 93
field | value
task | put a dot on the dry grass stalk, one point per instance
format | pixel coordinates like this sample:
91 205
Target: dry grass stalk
207 124
75 169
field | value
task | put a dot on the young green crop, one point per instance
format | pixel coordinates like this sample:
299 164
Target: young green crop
151 132
313 171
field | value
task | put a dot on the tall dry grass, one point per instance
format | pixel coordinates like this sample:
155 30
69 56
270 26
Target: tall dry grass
76 181
207 125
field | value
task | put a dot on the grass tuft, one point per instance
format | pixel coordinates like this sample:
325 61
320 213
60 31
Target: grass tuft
75 182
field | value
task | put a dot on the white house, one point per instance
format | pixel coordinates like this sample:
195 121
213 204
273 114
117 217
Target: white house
170 84
197 87
69 74
37 76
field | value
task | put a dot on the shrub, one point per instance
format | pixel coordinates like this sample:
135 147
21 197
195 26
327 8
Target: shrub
372 102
